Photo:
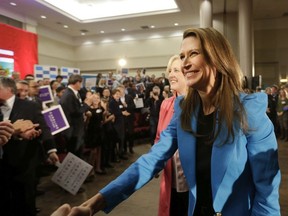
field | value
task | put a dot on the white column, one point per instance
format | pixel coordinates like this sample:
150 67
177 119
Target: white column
246 38
206 13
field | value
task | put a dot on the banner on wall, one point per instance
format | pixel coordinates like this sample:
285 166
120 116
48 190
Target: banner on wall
23 45
6 62
65 72
45 72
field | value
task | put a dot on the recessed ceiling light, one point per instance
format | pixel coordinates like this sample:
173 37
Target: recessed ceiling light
102 32
123 29
43 17
13 4
152 26
65 26
176 24
83 33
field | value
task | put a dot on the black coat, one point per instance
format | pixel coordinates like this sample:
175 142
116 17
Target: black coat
20 158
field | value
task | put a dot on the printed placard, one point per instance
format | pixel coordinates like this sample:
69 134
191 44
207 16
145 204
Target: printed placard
139 102
140 86
71 173
45 94
55 119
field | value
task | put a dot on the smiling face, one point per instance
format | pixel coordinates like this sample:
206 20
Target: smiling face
176 77
96 99
22 90
199 75
117 95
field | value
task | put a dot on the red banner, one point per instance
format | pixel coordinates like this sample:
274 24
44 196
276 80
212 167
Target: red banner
24 45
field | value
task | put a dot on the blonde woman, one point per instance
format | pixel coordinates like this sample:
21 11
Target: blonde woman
173 199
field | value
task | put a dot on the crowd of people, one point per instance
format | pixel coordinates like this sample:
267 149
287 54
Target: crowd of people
101 120
221 144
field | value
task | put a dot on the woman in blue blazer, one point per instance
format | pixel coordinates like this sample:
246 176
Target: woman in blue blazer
226 142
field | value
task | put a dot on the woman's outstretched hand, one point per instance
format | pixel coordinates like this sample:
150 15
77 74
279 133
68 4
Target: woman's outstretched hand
88 208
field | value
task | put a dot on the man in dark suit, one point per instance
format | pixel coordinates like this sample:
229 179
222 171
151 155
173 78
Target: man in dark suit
74 109
118 110
129 106
6 132
18 164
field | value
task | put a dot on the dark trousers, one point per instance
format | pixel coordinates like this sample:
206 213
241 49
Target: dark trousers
17 194
129 134
179 203
153 123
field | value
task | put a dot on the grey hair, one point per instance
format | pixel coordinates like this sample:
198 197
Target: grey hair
7 82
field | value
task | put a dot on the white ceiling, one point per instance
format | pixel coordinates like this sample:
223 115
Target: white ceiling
31 10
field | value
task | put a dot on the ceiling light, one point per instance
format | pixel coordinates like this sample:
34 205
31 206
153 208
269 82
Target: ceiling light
43 17
102 32
152 26
123 29
13 4
176 24
89 11
65 26
83 33
122 62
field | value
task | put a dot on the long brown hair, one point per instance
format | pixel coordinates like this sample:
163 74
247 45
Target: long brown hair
230 112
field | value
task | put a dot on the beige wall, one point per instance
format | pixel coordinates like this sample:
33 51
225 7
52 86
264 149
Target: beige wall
148 51
53 52
271 55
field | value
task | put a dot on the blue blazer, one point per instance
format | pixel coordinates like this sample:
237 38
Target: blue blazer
245 175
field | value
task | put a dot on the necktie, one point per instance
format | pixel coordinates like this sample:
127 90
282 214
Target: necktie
79 97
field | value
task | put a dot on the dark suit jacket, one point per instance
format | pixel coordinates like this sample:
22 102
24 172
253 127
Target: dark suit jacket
74 111
116 108
18 154
130 108
20 158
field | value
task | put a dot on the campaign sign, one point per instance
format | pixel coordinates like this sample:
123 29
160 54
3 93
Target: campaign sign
55 119
45 94
71 173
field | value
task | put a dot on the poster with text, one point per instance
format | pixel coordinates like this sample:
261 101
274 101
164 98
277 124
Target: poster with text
55 119
71 173
45 94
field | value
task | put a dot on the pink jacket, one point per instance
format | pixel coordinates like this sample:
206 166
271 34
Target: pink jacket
166 113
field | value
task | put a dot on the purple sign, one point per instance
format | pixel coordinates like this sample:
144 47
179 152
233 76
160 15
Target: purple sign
55 119
45 94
